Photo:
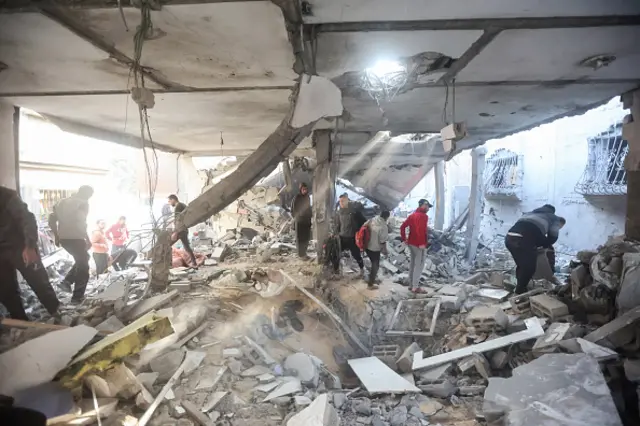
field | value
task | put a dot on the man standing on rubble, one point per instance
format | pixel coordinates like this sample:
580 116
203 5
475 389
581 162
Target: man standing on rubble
301 211
118 234
349 219
417 241
100 248
19 252
68 222
183 236
536 229
378 234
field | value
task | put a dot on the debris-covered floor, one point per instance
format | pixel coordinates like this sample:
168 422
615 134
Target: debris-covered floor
256 336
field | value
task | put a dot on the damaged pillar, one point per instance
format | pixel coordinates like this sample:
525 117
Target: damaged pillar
438 173
9 163
631 133
324 180
475 201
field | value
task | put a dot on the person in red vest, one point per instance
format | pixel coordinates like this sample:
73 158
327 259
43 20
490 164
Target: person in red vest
416 240
118 234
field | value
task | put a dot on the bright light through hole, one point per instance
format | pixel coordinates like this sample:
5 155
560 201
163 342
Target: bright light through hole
382 68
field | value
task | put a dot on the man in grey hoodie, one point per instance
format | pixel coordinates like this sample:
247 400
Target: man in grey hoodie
538 228
378 235
349 219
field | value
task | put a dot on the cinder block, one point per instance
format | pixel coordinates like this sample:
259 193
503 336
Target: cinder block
387 354
451 297
548 342
521 302
548 306
487 318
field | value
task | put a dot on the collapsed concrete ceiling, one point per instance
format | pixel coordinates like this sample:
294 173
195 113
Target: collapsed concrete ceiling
224 69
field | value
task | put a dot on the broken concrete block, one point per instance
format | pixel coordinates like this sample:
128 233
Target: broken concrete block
530 396
487 318
544 305
301 401
181 286
305 368
607 335
434 374
387 354
266 378
443 389
167 364
289 386
232 353
452 297
339 399
147 379
476 278
116 346
405 361
548 342
520 303
378 378
499 359
38 360
220 253
319 413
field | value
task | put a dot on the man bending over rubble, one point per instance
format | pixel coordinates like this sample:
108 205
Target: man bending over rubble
349 219
68 222
417 241
536 229
19 251
301 211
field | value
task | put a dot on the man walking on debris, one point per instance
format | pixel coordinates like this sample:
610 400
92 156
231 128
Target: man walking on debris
536 229
19 252
183 236
301 211
68 222
417 241
100 248
349 219
118 234
378 234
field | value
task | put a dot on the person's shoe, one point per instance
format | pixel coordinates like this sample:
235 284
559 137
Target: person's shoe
77 300
373 286
65 286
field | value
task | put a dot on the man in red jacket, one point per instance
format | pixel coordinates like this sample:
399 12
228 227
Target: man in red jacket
417 240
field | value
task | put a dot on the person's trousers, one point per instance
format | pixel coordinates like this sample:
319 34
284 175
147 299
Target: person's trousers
303 236
418 260
374 256
525 254
184 239
79 273
125 257
349 243
102 262
10 290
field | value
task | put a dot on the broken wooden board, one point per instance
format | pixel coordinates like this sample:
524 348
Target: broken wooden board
377 377
534 330
39 360
128 341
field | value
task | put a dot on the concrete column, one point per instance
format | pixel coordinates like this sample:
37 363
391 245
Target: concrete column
9 162
438 173
475 200
324 180
631 133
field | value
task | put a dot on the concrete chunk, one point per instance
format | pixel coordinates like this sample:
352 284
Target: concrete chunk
605 335
549 341
405 361
232 353
304 367
544 305
378 378
166 364
487 318
319 413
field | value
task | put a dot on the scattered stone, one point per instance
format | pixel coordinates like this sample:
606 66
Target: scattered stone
339 399
362 406
471 390
548 342
266 378
232 353
398 416
439 390
405 361
545 305
166 364
319 413
301 401
304 367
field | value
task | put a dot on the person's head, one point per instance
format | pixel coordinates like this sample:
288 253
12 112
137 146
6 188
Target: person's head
304 189
562 221
122 221
101 224
85 192
385 214
548 208
173 199
344 200
424 205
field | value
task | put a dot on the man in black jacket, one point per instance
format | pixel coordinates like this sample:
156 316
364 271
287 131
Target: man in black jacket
348 220
183 236
301 211
19 252
538 228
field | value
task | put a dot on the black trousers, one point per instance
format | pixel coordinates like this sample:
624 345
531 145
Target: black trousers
35 276
374 256
349 243
303 236
122 257
525 253
79 273
184 239
102 262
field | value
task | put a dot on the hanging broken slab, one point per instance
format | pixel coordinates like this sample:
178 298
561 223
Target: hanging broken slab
377 377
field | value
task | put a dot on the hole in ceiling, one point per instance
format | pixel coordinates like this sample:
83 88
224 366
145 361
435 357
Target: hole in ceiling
494 102
598 61
414 138
485 114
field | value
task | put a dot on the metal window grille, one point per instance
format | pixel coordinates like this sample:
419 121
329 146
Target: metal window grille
503 175
604 173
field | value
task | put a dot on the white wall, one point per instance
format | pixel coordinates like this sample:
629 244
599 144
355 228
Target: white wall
555 156
7 147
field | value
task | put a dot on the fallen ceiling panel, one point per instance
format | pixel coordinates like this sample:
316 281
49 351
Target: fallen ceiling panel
208 45
185 121
407 10
556 54
43 56
342 52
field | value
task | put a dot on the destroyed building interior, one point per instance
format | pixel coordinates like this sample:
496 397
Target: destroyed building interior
217 312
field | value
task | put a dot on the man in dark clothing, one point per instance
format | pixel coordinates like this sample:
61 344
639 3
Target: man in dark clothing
68 222
378 234
301 211
19 252
183 236
535 229
349 219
